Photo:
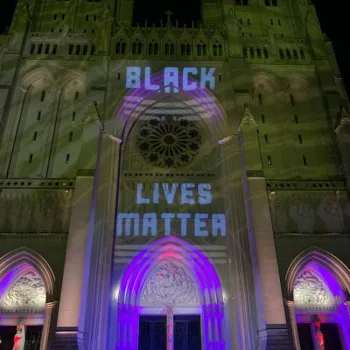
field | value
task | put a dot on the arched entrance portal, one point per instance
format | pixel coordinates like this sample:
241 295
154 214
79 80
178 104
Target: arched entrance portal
172 279
318 293
26 300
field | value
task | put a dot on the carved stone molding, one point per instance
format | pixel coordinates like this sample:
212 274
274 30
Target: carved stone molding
310 291
27 293
35 211
169 285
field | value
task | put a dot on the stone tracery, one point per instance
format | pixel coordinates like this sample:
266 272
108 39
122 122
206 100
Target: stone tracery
27 292
169 285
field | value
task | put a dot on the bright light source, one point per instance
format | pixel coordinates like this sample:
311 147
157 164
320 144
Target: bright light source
113 138
225 140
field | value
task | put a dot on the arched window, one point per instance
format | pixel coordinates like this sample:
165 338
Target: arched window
221 50
258 51
289 56
76 97
188 50
281 54
266 53
70 49
166 49
215 50
302 54
134 48
120 47
93 48
85 50
47 49
295 54
77 50
252 53
156 48
183 49
40 49
32 49
169 49
199 50
292 100
54 50
245 52
43 94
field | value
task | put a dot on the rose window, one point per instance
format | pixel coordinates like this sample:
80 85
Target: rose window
169 141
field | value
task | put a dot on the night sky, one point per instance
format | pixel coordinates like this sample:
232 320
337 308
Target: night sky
332 14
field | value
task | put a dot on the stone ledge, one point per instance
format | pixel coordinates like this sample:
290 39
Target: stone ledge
65 340
278 338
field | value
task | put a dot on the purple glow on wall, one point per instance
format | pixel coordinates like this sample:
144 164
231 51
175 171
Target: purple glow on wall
11 277
202 95
207 281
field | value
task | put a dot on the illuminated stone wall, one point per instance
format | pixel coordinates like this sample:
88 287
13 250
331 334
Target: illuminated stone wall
274 78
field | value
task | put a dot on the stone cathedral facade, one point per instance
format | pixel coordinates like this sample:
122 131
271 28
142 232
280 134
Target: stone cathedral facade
167 187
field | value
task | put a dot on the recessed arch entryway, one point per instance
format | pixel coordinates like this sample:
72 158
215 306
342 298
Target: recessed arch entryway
27 285
318 286
193 287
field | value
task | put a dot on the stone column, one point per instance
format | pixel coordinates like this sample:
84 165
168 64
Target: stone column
12 125
267 268
170 327
293 323
68 316
49 308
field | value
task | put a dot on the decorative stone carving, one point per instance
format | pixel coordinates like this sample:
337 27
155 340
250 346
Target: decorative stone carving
310 291
170 284
304 215
26 293
29 211
169 141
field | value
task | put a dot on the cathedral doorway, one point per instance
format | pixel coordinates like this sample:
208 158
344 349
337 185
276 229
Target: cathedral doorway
153 332
170 298
319 309
26 292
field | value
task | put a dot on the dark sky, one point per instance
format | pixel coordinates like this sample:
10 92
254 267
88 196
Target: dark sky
332 14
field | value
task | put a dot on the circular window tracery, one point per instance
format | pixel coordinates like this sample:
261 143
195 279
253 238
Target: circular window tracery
169 141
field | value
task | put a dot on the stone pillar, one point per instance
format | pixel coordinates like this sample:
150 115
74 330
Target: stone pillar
68 316
293 323
275 320
49 308
170 327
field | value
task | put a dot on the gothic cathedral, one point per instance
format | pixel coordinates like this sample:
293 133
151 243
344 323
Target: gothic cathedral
173 187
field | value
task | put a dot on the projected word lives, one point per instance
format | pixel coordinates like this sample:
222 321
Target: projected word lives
173 78
186 195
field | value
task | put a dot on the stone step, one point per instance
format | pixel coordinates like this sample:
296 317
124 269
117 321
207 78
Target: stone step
64 341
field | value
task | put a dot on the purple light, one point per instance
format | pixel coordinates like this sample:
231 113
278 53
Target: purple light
202 95
176 250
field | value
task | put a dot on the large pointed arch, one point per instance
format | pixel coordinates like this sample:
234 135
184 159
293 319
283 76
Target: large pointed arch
31 77
201 99
325 259
18 261
171 249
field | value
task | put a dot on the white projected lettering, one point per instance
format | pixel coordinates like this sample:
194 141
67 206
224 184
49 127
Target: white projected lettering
187 194
174 79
